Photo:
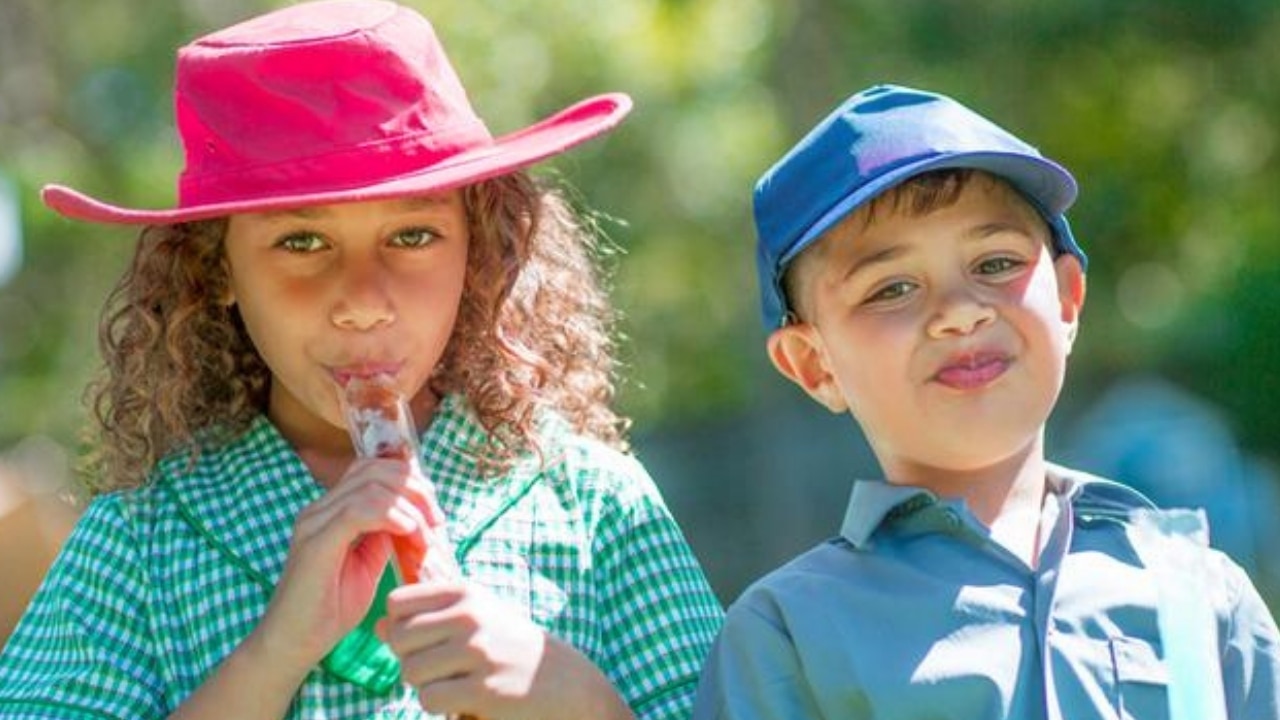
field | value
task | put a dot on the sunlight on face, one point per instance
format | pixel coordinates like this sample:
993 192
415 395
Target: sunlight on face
331 291
946 335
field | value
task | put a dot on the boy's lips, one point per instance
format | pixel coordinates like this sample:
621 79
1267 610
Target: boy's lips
972 370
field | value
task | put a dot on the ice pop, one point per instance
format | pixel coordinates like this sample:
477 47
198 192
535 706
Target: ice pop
381 426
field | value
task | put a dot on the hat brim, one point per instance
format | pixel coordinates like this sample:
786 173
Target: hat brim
553 135
1043 181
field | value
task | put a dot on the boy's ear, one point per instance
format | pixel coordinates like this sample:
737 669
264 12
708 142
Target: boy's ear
1071 291
797 352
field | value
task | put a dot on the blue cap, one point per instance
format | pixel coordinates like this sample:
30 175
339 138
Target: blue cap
873 141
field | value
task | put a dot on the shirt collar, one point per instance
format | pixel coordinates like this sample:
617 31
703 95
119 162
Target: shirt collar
243 497
873 502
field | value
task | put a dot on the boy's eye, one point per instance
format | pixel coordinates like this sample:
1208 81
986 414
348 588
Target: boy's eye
891 292
998 265
301 242
414 237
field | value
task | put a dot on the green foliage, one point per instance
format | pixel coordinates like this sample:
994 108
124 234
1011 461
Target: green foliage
1164 109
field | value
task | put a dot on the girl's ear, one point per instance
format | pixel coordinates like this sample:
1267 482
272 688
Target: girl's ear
227 297
797 351
1071 292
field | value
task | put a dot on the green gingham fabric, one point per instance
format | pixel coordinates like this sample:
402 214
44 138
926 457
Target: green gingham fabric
156 586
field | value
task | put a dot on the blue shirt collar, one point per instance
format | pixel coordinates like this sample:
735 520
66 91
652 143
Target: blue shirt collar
875 502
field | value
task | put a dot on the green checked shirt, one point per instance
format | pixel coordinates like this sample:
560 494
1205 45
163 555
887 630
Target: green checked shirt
156 586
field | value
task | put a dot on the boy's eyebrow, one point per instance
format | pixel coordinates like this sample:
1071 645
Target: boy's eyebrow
994 228
894 252
880 256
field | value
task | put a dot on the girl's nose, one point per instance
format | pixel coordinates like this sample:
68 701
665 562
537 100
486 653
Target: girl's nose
363 299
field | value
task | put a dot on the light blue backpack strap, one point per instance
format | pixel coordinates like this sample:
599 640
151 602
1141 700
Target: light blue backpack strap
1055 552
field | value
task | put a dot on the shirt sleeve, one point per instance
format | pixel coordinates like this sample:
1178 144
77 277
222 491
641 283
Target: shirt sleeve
81 650
1251 653
754 671
658 612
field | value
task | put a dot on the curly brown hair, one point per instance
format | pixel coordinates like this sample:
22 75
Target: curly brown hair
534 332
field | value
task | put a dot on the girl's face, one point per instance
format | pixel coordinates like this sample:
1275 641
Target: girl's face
336 291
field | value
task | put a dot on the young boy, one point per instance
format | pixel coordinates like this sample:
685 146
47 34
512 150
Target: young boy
917 271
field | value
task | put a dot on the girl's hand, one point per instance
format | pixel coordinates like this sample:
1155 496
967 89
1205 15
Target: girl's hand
469 653
339 550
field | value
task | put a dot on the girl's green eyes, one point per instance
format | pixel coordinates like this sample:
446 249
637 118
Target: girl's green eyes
414 237
307 242
301 242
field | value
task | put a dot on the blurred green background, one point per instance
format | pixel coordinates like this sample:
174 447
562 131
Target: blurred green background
1166 111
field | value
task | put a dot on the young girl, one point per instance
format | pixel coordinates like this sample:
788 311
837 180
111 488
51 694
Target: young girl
342 215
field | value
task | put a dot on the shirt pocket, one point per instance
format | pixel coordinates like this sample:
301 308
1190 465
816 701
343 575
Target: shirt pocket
1141 679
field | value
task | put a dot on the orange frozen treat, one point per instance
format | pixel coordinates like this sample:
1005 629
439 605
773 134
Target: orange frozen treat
381 426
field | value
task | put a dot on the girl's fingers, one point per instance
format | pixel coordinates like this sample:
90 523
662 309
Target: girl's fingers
429 616
408 601
374 508
397 475
443 662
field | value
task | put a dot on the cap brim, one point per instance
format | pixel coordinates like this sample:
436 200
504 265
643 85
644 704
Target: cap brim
553 135
1045 182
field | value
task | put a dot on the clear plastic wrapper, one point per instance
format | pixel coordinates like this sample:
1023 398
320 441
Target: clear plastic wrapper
382 426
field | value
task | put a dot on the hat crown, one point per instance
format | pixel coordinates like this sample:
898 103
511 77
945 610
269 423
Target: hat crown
872 141
331 101
317 96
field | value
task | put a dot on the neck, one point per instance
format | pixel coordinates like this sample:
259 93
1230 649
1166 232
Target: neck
1012 485
1006 496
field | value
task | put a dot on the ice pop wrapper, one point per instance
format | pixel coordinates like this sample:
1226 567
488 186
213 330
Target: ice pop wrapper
381 426
1170 543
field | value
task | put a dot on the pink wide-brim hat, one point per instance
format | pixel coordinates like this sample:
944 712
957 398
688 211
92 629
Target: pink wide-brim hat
327 102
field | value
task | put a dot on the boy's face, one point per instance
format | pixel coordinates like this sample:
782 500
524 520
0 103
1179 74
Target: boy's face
946 335
349 289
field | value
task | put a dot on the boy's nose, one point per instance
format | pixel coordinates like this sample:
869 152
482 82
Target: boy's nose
960 313
363 301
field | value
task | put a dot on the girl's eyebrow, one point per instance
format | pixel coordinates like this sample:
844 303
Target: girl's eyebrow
409 204
424 202
303 213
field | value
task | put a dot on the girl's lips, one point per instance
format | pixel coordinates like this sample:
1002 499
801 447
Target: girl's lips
972 371
363 370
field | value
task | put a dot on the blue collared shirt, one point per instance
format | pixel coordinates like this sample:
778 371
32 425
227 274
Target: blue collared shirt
915 612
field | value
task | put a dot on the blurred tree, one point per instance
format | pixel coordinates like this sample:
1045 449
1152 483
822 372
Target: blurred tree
1165 110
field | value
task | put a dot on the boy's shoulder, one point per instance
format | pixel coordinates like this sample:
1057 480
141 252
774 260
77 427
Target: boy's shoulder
803 581
848 558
